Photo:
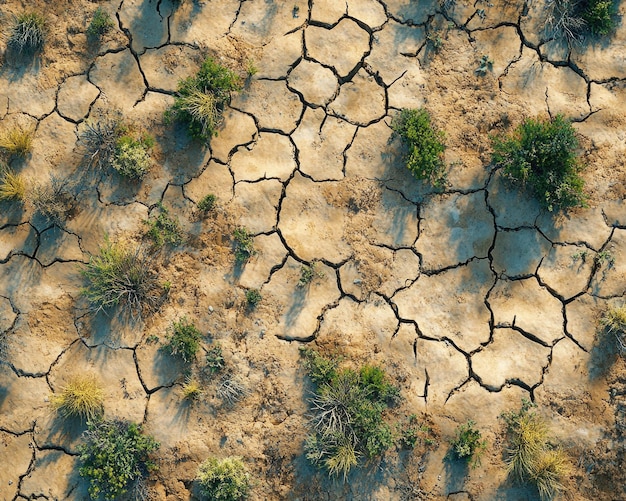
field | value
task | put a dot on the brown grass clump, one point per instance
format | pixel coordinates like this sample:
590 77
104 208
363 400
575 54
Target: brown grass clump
12 185
614 322
81 397
17 141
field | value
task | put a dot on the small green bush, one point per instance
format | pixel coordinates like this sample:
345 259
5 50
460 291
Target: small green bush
114 454
598 14
183 340
214 360
424 145
100 24
27 33
163 228
468 443
223 479
125 277
207 203
131 158
541 154
81 397
253 297
200 100
308 273
244 245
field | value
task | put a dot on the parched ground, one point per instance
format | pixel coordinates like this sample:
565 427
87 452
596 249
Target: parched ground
472 298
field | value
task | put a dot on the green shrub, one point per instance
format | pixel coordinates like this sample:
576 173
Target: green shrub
223 479
125 277
531 456
253 297
468 443
114 454
81 397
541 154
100 24
27 33
200 100
164 229
573 20
423 144
214 360
347 414
183 340
598 14
12 185
131 158
207 203
244 245
17 141
308 273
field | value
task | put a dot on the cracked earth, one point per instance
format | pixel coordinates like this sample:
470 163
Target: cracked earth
473 297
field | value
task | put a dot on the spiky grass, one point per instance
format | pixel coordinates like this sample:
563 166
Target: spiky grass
549 469
99 141
27 33
81 397
12 185
527 443
202 107
125 277
231 389
331 406
52 201
343 458
614 322
17 140
191 389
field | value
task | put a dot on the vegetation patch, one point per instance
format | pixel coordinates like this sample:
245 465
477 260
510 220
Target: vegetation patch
347 413
613 322
17 140
131 158
51 201
163 228
27 33
308 273
115 454
99 141
253 297
199 100
541 154
531 457
223 479
468 443
573 20
424 145
191 390
207 203
125 277
100 24
12 185
243 245
183 340
81 397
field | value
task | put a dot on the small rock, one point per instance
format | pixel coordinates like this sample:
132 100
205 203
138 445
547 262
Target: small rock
357 281
210 309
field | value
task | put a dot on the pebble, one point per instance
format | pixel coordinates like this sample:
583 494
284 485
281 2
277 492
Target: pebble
210 309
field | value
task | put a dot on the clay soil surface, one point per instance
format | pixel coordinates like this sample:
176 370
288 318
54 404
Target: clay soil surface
471 297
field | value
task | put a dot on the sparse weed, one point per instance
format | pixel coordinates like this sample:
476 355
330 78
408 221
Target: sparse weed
115 453
582 255
163 228
214 360
251 68
207 203
183 340
12 185
542 155
231 389
423 144
27 33
52 201
613 322
223 479
253 297
468 443
484 65
81 397
17 140
200 100
125 277
412 433
244 245
100 24
604 257
99 141
308 273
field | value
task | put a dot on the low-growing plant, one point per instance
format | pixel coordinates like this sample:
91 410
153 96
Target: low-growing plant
251 68
200 99
484 65
52 201
541 154
191 389
131 158
12 185
81 397
123 276
207 203
163 228
308 273
572 20
253 297
604 256
412 433
598 15
424 145
99 141
468 443
100 24
214 360
531 456
27 33
183 340
231 389
244 245
17 140
223 479
613 322
115 454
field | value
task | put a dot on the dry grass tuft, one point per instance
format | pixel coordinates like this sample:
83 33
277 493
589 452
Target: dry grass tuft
81 397
12 185
17 140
